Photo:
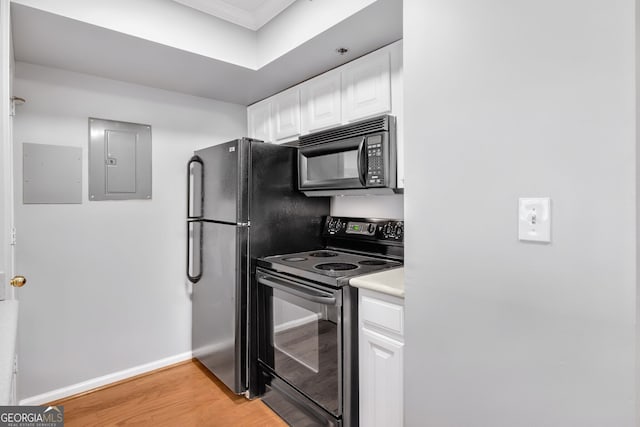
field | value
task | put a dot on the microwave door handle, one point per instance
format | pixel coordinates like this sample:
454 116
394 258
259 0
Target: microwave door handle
298 290
362 162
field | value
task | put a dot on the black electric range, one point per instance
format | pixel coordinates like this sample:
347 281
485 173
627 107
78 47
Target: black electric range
307 316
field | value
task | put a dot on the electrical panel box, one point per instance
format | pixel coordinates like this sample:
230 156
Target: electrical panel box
51 174
119 160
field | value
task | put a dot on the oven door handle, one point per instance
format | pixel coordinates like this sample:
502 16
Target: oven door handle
299 290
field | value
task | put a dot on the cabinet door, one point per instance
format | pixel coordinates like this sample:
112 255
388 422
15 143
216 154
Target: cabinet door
380 380
321 102
286 114
259 121
366 86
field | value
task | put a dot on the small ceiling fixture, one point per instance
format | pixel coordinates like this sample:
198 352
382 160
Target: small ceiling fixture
342 50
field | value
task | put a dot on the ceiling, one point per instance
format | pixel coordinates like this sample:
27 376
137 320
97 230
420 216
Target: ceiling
52 40
251 14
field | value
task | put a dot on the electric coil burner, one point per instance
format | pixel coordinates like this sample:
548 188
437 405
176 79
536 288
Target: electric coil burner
294 259
335 266
323 254
307 313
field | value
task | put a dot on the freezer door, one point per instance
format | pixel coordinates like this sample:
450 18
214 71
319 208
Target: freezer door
225 181
219 329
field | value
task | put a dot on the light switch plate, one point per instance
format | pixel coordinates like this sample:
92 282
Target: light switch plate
534 219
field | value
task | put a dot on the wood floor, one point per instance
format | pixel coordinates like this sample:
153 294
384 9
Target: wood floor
182 395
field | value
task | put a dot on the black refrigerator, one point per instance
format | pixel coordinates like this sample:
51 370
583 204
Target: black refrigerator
243 204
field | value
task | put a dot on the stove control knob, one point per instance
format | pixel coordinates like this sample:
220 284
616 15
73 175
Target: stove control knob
372 228
387 230
399 231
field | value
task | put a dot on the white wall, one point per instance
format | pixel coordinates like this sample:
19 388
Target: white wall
299 23
506 99
369 206
165 22
637 93
107 288
173 24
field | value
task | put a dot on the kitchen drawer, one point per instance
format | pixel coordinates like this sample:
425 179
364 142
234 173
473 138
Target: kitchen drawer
381 313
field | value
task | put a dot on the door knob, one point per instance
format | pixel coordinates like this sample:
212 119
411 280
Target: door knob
18 281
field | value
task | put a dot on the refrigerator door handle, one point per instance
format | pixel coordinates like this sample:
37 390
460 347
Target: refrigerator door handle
194 244
195 188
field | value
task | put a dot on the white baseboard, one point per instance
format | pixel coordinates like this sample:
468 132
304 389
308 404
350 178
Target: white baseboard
63 392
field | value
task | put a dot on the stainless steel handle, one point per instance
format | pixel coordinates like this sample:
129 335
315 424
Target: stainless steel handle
297 289
191 198
191 260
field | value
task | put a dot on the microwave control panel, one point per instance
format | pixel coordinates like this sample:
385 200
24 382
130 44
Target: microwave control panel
375 161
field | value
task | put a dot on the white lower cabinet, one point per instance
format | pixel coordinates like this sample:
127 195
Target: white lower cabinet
381 344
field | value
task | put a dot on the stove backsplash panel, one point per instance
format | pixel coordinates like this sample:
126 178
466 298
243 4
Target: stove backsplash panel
368 206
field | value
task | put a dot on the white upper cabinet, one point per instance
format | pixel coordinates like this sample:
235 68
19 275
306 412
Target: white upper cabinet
366 86
259 120
285 109
321 102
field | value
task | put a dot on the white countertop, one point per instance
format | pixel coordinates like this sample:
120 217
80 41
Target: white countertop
390 282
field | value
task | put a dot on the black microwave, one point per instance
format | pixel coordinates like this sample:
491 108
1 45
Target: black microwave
358 158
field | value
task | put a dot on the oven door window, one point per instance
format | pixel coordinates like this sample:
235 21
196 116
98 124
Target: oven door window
304 345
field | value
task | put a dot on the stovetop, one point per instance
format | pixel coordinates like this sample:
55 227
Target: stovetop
353 247
328 266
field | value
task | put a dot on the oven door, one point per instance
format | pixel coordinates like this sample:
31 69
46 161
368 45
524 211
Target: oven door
333 165
301 337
